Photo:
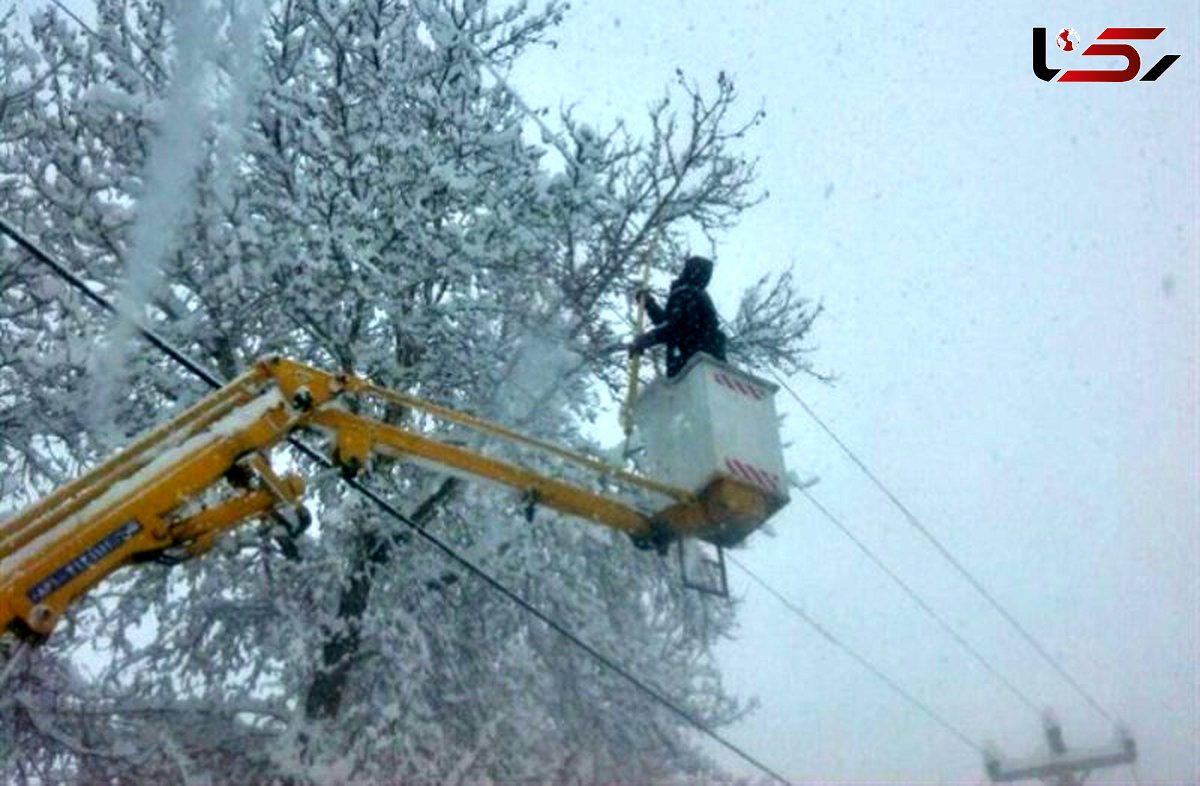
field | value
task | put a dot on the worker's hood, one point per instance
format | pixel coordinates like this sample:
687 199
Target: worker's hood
697 272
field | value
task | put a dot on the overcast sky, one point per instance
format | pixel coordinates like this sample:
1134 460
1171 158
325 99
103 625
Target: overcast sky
1010 274
1009 269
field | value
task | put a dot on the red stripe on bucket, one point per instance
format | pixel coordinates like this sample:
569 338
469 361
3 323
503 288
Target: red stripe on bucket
767 481
738 386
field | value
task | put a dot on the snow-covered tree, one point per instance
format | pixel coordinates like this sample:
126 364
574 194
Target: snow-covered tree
361 194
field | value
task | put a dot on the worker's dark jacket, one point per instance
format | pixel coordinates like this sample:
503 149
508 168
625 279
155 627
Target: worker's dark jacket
689 323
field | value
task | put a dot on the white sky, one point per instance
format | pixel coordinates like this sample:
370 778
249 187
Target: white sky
1010 274
1011 278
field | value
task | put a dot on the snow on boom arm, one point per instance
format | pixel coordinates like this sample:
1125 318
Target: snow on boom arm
170 494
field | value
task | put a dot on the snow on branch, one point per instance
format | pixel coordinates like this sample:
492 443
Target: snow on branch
772 327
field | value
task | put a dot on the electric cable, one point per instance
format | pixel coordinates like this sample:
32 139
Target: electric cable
916 598
949 557
43 256
467 564
941 621
877 672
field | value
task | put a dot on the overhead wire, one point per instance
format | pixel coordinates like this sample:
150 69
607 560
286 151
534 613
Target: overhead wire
929 610
449 551
924 605
160 343
877 672
945 553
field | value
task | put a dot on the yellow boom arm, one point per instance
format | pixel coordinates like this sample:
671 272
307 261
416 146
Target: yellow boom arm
174 490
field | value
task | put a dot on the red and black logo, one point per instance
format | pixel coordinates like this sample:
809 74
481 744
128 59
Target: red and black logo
1068 41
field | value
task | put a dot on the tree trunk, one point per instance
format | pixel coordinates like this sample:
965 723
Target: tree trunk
370 551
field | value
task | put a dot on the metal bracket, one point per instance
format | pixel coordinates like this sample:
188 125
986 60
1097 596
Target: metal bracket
702 567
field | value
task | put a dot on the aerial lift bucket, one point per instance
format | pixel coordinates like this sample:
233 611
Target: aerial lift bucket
712 430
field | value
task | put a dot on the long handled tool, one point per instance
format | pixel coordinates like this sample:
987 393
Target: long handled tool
635 359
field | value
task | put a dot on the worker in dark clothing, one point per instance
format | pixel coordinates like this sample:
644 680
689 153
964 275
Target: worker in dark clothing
689 323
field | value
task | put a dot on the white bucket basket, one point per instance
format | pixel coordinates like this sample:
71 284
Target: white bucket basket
712 430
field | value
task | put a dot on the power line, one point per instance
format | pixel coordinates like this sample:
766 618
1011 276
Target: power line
950 558
908 590
492 582
860 659
160 343
562 630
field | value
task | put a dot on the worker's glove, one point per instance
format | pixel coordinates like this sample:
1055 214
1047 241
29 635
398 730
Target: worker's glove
641 294
640 344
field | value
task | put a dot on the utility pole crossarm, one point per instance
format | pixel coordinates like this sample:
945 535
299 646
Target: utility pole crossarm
1061 766
1056 765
